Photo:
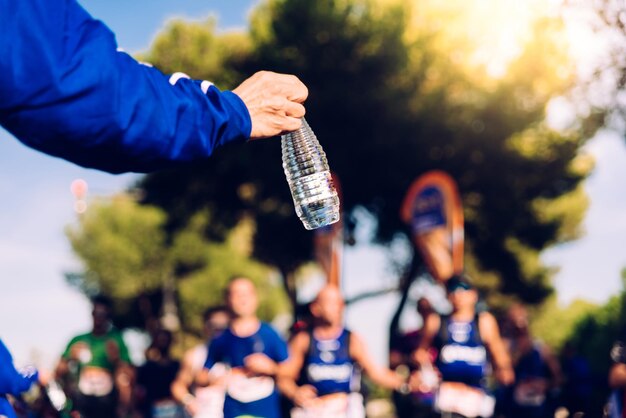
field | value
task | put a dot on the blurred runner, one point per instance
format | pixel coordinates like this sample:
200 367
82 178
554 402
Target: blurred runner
578 386
416 404
463 340
252 350
617 379
155 377
537 371
319 376
202 402
96 369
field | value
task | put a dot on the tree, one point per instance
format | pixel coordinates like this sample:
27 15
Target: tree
607 83
555 325
593 337
126 254
394 94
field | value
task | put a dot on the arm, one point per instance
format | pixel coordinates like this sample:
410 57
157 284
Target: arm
184 380
67 91
617 373
490 334
379 375
268 362
617 376
204 377
396 358
13 381
70 353
124 372
430 330
62 369
290 370
556 376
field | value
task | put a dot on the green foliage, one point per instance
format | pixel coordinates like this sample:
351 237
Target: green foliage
126 256
395 90
122 247
594 335
555 325
197 50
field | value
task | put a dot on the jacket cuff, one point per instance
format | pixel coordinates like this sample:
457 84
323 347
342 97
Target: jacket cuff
239 125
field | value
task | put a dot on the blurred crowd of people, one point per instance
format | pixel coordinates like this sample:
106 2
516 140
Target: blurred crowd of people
486 367
462 364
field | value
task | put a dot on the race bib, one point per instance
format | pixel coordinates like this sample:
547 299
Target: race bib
210 402
249 389
333 406
465 400
166 409
529 393
94 381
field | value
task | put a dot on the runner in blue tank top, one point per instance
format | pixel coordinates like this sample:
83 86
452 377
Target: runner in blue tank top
537 371
462 354
319 376
463 340
253 350
329 367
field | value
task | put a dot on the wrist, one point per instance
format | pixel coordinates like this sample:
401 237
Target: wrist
404 388
187 399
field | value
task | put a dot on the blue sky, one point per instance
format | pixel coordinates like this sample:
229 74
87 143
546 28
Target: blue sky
39 312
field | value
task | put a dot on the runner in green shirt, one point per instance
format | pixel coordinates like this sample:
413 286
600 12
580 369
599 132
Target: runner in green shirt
96 368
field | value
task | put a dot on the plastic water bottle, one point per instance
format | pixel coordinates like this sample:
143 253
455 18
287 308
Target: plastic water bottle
308 175
57 397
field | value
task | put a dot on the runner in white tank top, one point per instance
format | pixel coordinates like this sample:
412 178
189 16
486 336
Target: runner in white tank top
202 402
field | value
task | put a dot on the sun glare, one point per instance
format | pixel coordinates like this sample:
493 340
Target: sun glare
496 31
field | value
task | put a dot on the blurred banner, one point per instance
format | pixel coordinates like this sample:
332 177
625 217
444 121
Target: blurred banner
328 245
432 208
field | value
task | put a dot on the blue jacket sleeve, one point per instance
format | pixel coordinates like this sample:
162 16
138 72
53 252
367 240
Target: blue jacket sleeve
66 90
11 381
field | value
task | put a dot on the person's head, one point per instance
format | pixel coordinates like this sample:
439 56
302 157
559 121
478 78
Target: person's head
328 306
461 293
517 320
162 341
424 307
216 320
241 297
101 313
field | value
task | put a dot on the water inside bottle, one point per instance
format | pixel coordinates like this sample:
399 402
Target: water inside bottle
315 200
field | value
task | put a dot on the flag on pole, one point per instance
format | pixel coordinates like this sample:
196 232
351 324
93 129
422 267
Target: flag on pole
433 210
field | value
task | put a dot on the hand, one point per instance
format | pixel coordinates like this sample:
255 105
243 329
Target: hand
427 378
77 350
259 363
44 377
191 404
274 102
415 381
305 396
505 376
113 351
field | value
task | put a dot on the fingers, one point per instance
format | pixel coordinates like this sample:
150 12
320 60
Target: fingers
291 124
274 102
294 109
299 92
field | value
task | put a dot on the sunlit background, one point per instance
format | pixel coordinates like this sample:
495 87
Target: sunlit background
39 311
